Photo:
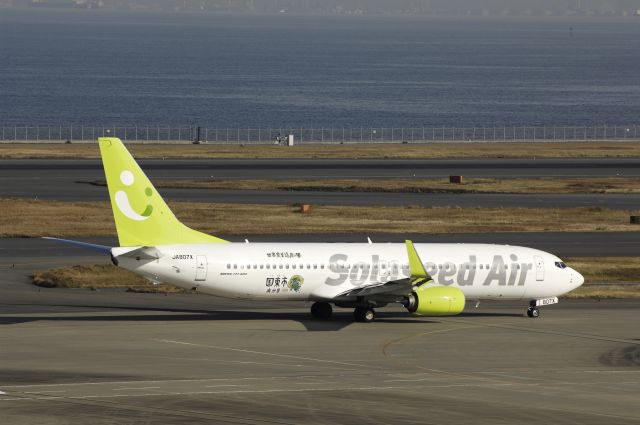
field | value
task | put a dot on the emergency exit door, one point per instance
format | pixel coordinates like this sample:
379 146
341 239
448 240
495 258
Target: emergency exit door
201 267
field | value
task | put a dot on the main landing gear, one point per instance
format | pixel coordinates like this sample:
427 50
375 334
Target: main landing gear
321 310
364 314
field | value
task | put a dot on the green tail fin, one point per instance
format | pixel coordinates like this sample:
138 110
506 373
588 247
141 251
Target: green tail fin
141 215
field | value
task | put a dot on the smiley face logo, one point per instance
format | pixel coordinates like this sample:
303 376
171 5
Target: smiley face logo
122 200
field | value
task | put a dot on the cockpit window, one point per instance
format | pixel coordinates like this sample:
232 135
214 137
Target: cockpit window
560 265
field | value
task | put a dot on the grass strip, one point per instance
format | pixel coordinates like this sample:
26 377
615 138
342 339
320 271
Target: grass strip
98 276
576 185
32 218
401 151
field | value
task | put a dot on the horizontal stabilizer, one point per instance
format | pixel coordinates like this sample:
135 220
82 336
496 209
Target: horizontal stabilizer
103 249
137 252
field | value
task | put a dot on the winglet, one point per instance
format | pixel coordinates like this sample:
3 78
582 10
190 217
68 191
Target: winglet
419 275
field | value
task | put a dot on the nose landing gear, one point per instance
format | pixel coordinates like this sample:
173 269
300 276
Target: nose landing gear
533 311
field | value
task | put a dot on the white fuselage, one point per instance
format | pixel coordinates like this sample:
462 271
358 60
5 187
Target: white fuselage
323 271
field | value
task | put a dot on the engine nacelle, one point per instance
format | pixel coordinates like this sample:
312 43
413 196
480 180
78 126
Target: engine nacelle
436 301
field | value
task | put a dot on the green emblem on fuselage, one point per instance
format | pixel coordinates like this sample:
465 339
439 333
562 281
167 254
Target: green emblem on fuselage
295 283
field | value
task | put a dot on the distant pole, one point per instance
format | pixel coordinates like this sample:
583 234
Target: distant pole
570 32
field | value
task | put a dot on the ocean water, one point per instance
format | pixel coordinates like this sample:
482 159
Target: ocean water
104 67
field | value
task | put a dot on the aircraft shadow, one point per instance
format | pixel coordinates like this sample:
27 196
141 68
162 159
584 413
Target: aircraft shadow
338 321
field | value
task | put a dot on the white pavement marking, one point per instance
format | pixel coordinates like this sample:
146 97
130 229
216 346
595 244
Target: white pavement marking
18 398
289 356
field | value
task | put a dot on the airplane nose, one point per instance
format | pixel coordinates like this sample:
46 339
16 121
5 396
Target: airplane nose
576 279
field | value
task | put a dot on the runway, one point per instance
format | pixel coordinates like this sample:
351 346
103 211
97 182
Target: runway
338 168
59 180
107 357
44 252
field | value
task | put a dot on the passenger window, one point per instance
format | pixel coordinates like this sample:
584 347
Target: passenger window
322 266
261 266
315 266
280 267
228 266
235 266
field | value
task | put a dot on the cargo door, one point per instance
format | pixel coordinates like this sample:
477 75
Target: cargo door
201 267
539 267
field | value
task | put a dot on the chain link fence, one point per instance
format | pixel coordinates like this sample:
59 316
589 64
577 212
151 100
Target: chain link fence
160 134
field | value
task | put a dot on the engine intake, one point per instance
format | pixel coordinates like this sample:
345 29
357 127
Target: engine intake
436 301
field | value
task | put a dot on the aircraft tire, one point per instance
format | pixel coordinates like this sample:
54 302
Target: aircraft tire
533 312
321 310
364 314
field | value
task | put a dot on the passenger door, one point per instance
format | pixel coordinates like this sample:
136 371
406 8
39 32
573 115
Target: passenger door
539 263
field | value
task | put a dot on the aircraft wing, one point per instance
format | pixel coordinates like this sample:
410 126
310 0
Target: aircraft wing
394 287
418 277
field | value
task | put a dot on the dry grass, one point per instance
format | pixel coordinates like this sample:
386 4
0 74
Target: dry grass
607 277
427 150
605 291
22 217
98 276
442 185
606 270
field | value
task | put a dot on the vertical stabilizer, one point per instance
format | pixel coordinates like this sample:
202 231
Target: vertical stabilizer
141 215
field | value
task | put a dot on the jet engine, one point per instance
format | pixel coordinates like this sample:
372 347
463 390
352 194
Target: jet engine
435 301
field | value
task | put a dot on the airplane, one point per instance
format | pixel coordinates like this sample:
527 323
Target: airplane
428 279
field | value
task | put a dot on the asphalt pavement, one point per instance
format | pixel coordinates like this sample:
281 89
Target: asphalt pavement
111 357
67 180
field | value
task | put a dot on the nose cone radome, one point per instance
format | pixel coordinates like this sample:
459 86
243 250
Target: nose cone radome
576 280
